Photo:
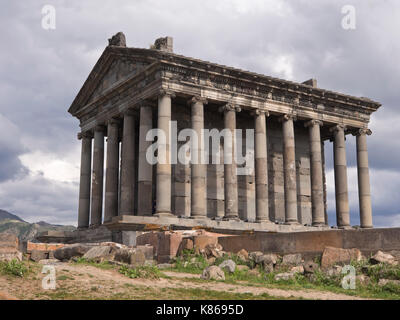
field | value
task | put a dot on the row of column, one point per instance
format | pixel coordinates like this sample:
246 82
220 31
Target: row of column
124 204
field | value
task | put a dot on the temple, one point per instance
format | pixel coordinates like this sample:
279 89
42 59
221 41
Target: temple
131 91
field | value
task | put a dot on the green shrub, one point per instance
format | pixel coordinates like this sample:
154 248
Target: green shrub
146 272
14 267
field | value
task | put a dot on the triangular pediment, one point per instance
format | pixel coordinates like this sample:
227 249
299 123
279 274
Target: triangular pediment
119 70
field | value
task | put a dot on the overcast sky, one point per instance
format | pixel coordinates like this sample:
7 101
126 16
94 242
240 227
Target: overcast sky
41 71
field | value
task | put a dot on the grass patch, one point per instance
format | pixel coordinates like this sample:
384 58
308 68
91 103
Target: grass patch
102 265
14 268
145 272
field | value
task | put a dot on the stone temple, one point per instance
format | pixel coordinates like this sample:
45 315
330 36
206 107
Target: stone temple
132 90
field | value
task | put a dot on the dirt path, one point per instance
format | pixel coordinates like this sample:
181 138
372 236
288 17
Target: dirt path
100 283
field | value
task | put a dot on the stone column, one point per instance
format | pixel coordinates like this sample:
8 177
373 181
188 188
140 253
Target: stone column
340 167
128 165
289 169
145 171
364 193
84 185
317 180
97 178
261 166
112 171
230 177
163 192
198 168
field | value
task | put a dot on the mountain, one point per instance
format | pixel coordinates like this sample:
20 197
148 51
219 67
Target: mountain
12 224
6 215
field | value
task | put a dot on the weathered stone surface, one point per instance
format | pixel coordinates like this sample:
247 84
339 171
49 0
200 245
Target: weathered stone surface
284 276
49 261
166 265
243 255
268 268
383 282
363 279
382 257
37 255
269 258
297 269
201 241
214 250
213 273
137 259
256 256
228 265
9 247
147 251
99 252
292 259
334 271
10 255
74 250
333 256
186 244
310 267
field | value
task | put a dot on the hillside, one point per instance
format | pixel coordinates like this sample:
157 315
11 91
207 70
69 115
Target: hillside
12 224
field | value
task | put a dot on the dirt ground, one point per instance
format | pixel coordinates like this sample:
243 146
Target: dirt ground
76 281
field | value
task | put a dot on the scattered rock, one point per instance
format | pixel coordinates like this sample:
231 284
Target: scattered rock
243 255
211 260
297 269
130 256
147 250
334 271
99 253
267 259
228 265
213 273
214 250
382 257
69 251
284 276
166 265
241 267
37 255
268 268
383 282
137 259
310 267
49 261
292 259
333 256
187 244
256 256
362 279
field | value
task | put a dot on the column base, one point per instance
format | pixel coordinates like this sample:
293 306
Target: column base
164 214
367 227
263 221
319 224
292 223
198 217
231 218
94 226
345 227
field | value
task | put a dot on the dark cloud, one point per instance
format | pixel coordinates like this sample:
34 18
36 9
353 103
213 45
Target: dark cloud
42 71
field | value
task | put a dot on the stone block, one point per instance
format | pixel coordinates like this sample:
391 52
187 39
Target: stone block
37 255
332 256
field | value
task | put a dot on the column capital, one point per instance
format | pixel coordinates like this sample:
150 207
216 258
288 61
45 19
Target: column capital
230 107
145 103
85 134
313 122
166 92
114 122
338 127
100 128
128 112
362 131
287 117
259 112
196 99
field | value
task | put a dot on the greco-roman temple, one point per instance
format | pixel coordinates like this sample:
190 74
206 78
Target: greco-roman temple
131 91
